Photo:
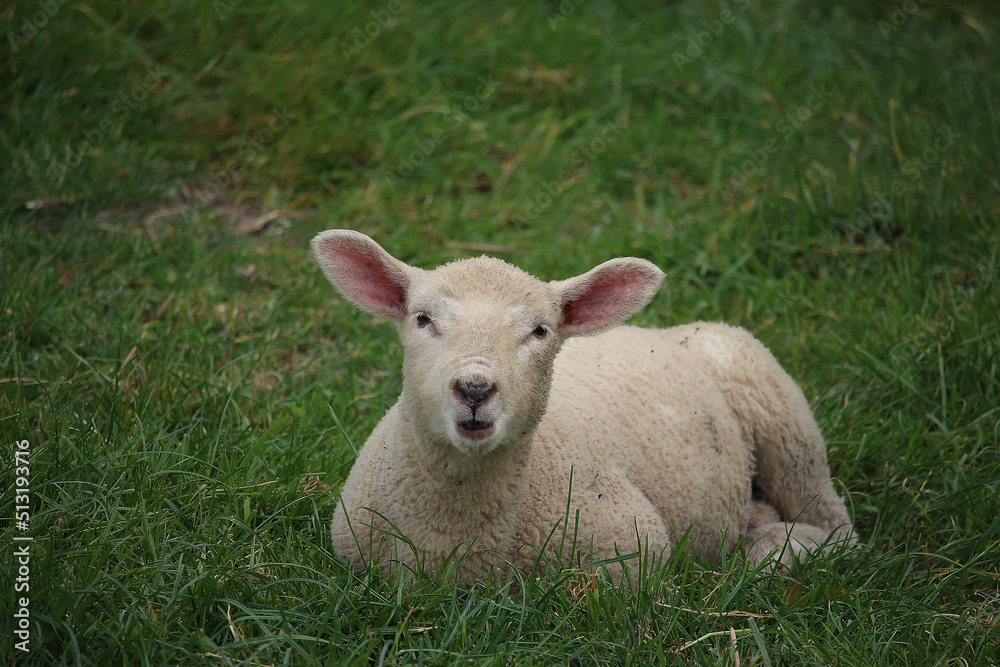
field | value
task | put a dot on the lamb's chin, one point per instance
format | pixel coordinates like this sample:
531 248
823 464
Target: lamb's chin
476 438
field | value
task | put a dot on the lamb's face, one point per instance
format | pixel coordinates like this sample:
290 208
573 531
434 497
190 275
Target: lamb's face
480 337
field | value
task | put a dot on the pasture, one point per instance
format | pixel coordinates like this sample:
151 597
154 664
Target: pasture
191 391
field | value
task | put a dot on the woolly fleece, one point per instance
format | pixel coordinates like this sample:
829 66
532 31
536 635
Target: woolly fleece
662 430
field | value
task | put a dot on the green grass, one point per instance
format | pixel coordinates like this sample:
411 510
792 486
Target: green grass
179 377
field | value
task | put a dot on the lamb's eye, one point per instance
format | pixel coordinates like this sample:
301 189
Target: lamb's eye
540 331
423 319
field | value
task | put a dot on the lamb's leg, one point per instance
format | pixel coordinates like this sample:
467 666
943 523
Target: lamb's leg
620 519
792 470
792 473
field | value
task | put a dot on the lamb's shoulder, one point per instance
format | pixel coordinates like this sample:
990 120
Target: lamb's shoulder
384 496
375 458
365 489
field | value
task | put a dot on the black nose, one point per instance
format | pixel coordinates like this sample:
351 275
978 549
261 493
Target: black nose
474 393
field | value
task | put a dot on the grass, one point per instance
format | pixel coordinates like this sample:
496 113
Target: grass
181 371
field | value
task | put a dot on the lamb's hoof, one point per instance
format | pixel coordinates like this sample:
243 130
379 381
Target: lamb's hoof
777 546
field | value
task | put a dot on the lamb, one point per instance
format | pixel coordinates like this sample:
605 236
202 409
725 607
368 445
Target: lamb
513 387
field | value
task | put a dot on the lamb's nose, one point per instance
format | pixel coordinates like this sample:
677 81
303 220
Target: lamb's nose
474 393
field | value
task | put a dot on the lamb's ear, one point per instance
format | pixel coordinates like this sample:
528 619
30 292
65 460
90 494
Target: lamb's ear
606 295
363 272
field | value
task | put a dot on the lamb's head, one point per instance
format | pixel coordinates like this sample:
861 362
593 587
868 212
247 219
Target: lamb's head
479 335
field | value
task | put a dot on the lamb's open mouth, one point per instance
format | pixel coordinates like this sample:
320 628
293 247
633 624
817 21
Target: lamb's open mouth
475 429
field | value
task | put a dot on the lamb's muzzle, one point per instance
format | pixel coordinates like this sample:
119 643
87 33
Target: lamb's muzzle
476 395
474 392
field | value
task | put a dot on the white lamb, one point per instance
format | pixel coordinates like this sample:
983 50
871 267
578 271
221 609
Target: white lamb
662 430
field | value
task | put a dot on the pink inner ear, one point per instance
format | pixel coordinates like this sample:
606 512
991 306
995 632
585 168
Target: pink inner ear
607 295
365 277
597 307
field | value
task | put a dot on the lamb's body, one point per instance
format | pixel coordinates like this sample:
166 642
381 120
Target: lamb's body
679 453
662 430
